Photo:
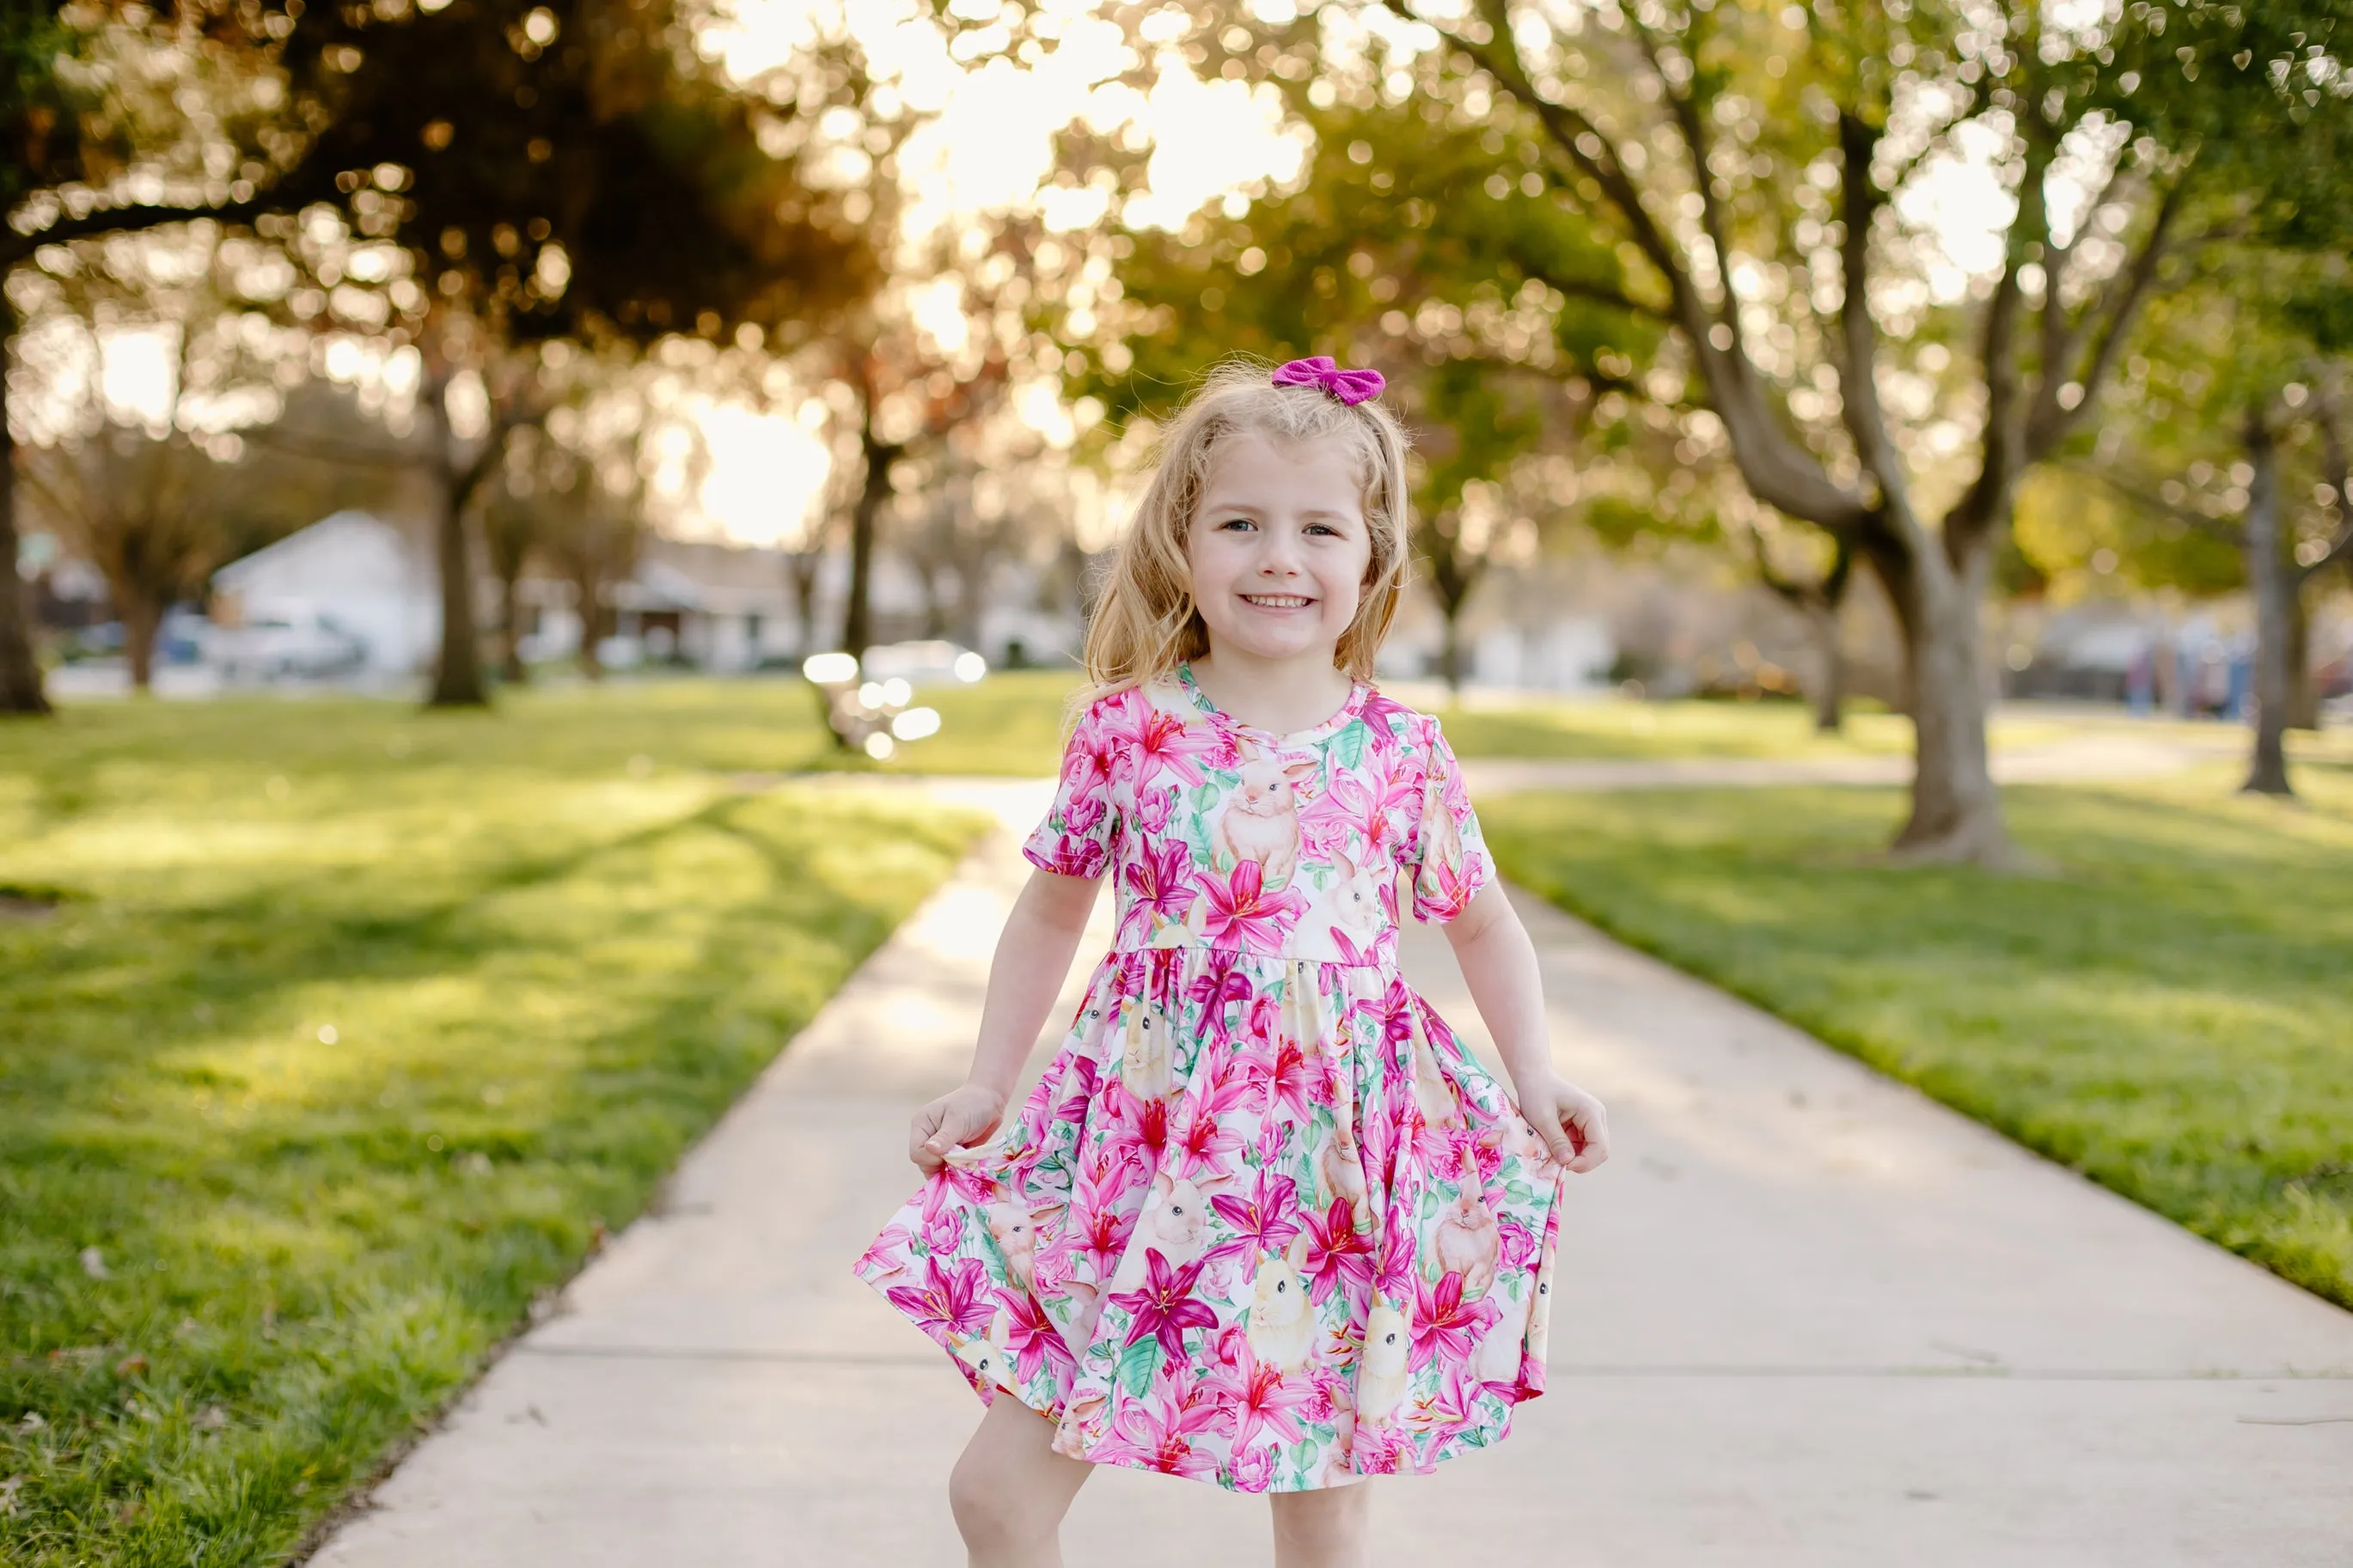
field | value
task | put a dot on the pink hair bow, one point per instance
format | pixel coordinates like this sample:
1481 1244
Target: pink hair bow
1350 386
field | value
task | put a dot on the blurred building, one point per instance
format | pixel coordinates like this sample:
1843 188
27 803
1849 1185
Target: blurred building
702 604
351 572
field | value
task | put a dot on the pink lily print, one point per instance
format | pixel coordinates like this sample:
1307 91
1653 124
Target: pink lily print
1156 1434
1101 1227
1268 1218
1139 1129
1444 1325
1394 1013
1164 1305
1242 913
1394 1274
1372 953
1154 743
1338 1257
1445 888
1222 984
1159 883
1257 1394
950 1300
1202 1140
1361 809
1454 1404
1032 1338
1291 1083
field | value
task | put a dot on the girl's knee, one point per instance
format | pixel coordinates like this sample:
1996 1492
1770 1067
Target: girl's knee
986 1510
1333 1525
1003 1496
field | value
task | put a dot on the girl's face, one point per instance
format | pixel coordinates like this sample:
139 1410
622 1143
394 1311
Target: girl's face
1279 548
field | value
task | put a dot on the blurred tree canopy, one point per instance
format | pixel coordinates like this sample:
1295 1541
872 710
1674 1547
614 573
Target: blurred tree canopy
1403 247
487 174
2229 450
1765 176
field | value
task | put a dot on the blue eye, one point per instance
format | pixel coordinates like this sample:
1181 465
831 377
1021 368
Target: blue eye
1238 523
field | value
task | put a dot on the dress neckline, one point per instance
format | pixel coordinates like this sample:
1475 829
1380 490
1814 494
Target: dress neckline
1358 691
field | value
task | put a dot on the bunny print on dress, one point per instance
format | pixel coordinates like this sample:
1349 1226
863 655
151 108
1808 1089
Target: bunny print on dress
1261 821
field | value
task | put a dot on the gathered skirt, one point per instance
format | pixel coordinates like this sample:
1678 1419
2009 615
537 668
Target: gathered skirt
1263 1222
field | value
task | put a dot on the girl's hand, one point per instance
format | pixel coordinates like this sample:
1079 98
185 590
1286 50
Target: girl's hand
1572 1123
966 1114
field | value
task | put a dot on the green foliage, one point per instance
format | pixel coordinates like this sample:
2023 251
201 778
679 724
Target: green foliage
351 1039
1418 240
2067 518
2167 1015
2254 337
573 167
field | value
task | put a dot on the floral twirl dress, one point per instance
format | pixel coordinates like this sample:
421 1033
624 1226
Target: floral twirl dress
1264 1222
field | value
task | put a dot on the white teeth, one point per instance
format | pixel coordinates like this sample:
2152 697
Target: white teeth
1279 601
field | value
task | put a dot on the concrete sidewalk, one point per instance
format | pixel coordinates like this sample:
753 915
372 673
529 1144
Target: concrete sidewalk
1808 1319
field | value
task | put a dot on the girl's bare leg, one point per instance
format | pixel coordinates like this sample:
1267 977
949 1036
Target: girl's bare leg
1010 1489
1331 1528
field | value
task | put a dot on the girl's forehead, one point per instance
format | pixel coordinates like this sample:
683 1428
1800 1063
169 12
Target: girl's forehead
1319 473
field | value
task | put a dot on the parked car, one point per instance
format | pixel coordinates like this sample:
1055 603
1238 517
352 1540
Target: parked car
285 641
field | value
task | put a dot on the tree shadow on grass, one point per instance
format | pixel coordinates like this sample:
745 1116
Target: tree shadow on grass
323 1275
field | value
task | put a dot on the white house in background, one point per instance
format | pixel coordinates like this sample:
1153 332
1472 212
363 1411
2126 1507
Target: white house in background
354 570
718 606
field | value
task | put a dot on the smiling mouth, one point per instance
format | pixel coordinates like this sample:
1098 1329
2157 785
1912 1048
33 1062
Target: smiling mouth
1277 601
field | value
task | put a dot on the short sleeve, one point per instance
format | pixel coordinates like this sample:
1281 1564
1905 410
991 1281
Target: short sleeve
1447 854
1076 838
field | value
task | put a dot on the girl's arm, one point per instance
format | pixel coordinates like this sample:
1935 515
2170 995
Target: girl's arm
1499 964
1033 955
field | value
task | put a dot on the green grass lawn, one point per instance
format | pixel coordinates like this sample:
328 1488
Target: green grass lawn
2170 1012
355 1028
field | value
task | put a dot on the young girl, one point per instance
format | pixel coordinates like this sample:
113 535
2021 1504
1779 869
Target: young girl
1264 1222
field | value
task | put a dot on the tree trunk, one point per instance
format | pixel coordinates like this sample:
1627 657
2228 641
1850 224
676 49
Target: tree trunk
1827 690
2303 690
858 615
1449 651
1956 811
20 675
458 678
2268 573
141 617
804 564
510 665
589 598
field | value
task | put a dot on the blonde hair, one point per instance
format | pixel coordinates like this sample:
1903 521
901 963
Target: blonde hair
1145 623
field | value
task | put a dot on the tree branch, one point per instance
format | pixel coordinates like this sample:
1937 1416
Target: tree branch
2113 311
1603 294
1779 471
1568 128
2002 446
1859 404
300 444
15 246
1689 121
2148 501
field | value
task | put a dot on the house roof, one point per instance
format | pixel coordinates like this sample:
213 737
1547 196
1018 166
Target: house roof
349 550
